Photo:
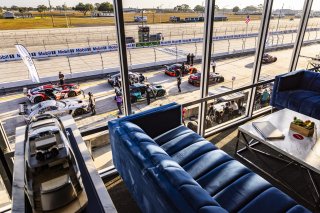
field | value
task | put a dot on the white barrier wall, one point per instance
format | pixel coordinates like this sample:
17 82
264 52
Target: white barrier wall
114 47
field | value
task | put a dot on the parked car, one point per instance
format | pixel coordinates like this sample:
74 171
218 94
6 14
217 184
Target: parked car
133 77
172 69
138 91
214 78
52 177
74 107
53 92
266 59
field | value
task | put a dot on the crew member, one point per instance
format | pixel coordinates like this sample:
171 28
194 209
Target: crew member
213 65
119 103
92 103
182 69
148 91
191 59
235 108
179 83
141 78
61 78
188 59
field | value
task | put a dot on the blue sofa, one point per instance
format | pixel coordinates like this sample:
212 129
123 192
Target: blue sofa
298 91
169 168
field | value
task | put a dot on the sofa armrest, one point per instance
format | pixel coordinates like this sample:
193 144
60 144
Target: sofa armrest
289 81
156 121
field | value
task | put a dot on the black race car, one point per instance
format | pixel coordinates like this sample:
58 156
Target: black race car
133 77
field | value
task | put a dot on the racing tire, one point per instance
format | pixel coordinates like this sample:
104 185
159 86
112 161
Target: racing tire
78 112
161 93
221 79
37 99
275 59
72 94
133 99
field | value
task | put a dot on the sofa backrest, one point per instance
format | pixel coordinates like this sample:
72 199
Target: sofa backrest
169 116
310 81
174 184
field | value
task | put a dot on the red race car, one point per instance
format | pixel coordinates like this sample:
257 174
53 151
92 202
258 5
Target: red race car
53 92
172 69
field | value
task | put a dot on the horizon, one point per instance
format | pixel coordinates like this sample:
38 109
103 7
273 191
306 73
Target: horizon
163 4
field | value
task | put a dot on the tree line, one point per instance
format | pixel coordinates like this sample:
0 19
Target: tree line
200 8
81 7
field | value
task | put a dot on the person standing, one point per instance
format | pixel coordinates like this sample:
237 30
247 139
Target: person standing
61 78
188 59
119 103
191 59
92 103
182 69
213 65
179 83
141 78
235 108
148 91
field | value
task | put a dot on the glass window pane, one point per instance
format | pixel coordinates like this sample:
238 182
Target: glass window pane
282 35
310 54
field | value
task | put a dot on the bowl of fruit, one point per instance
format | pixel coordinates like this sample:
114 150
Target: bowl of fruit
305 128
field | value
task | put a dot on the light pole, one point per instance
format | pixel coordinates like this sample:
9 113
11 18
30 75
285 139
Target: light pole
50 8
65 15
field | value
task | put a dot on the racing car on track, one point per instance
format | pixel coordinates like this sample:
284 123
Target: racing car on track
133 77
266 59
138 91
74 107
52 177
214 78
53 92
172 69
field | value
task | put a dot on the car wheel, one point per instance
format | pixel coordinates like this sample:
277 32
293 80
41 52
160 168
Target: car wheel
72 94
133 99
221 79
79 111
37 99
160 93
275 59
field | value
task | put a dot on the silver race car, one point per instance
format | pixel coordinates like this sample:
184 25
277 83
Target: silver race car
75 107
52 179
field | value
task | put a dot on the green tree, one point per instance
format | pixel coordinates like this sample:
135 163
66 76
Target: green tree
80 7
96 6
182 8
199 8
105 6
236 9
1 9
41 9
88 8
250 8
14 7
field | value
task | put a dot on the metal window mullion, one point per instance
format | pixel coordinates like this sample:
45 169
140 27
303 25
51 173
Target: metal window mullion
122 48
300 34
206 58
264 26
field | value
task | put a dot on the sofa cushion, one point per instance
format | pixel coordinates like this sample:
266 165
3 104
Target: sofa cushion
268 198
311 106
297 97
175 180
310 81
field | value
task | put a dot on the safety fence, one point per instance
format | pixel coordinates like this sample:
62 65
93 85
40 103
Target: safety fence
114 47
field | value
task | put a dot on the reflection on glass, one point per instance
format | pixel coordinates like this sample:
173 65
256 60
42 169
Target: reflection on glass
4 197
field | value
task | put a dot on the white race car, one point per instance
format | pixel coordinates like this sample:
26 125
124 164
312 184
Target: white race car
75 107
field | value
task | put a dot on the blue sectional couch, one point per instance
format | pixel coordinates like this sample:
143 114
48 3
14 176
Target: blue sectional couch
298 91
169 168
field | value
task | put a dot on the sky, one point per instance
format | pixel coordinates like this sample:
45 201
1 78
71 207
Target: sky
288 4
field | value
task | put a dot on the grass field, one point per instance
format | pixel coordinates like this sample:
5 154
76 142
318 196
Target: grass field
76 19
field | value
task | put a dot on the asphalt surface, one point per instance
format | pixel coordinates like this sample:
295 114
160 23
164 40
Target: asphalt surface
240 68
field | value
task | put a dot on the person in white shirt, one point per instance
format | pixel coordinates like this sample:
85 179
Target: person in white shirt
235 108
213 65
